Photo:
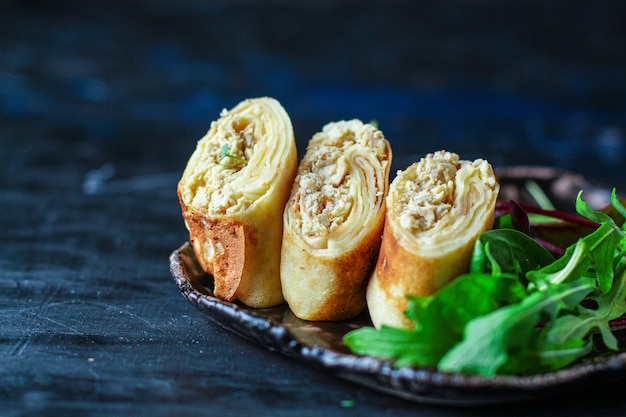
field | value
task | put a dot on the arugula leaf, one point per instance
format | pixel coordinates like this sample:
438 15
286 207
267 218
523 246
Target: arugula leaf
492 340
610 306
595 251
617 205
390 343
440 320
543 356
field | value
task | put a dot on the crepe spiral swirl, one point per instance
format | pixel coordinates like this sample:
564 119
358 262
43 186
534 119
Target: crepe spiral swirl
232 194
436 209
333 221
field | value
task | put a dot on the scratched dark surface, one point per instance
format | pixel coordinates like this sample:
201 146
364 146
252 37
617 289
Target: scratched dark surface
101 104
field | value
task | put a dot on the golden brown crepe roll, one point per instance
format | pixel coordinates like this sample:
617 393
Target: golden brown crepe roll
233 193
333 221
436 209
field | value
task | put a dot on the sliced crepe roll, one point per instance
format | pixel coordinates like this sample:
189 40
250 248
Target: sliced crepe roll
333 221
233 193
436 209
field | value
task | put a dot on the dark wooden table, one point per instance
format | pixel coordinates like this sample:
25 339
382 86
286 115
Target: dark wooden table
101 104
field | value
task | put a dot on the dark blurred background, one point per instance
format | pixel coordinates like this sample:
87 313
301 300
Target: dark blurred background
102 103
530 82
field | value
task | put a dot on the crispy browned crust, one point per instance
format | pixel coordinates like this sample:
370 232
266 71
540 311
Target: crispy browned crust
340 294
227 240
243 266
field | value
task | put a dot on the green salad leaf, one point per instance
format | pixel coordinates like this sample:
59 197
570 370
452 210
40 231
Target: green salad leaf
508 250
510 332
440 320
530 311
600 246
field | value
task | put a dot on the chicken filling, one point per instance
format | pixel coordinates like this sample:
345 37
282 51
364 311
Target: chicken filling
426 193
326 190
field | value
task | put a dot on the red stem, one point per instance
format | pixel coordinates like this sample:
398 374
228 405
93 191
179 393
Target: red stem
503 207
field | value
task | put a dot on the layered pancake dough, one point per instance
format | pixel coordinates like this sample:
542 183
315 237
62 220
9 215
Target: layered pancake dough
333 221
233 192
436 209
221 186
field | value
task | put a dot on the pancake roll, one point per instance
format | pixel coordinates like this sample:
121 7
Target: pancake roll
436 209
232 194
333 221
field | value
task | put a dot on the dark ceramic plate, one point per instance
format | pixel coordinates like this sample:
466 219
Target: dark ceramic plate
320 344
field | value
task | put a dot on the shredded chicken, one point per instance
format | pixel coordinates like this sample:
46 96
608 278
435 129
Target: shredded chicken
324 199
426 194
240 135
